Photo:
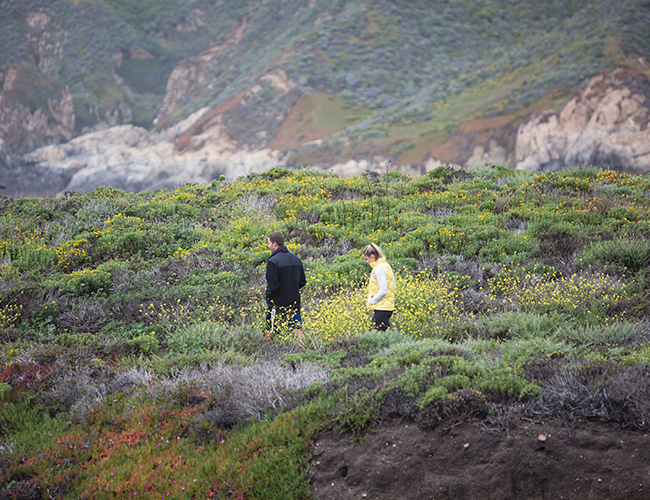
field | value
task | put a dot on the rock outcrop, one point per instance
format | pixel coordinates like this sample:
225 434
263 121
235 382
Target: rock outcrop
604 125
227 139
34 110
133 159
194 75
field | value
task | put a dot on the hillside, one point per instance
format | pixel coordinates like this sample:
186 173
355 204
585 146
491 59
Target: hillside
252 85
135 362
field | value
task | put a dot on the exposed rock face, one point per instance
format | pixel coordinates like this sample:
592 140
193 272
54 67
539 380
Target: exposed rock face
196 73
45 38
196 150
34 110
130 158
605 125
493 154
24 180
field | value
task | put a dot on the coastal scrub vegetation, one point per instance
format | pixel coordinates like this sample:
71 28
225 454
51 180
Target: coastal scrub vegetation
132 324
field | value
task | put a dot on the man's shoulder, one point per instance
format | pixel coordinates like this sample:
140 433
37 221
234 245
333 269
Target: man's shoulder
295 258
285 258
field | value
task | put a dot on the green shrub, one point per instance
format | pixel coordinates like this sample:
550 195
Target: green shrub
77 339
434 393
601 335
10 314
522 325
634 254
373 341
453 382
414 379
583 172
197 338
72 255
86 282
146 343
35 256
4 388
357 412
491 172
517 352
314 388
507 384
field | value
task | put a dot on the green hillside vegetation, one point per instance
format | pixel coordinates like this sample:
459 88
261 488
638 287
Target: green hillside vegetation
426 66
132 325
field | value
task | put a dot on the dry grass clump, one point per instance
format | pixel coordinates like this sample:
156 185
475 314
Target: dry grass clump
465 267
77 389
240 394
559 248
62 381
85 314
597 390
76 383
478 301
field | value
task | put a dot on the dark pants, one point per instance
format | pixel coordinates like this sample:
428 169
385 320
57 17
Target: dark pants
382 320
287 319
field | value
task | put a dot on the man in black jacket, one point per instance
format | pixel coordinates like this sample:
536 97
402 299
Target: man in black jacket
285 276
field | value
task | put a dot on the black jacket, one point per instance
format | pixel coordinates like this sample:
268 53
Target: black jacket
285 276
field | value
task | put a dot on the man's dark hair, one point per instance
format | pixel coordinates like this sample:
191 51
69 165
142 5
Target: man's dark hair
276 237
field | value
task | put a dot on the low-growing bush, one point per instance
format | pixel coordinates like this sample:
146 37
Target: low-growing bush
357 412
373 341
86 282
597 389
586 297
9 314
146 343
601 335
426 304
35 256
198 338
521 325
341 314
633 254
507 384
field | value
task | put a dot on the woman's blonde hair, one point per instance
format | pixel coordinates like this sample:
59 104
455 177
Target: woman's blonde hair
373 249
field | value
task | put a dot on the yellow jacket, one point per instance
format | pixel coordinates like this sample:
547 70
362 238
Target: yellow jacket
381 274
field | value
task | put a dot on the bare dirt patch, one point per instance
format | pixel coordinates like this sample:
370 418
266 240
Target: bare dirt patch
550 460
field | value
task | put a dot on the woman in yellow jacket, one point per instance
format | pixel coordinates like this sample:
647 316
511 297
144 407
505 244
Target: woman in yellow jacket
381 287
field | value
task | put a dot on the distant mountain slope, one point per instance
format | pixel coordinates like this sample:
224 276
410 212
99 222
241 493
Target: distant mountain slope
321 82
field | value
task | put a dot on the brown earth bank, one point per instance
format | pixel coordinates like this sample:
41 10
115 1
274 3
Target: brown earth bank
471 460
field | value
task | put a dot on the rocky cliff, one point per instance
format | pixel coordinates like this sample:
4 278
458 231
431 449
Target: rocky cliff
133 159
605 125
34 110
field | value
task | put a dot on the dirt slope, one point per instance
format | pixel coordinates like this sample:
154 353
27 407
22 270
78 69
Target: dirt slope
467 461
